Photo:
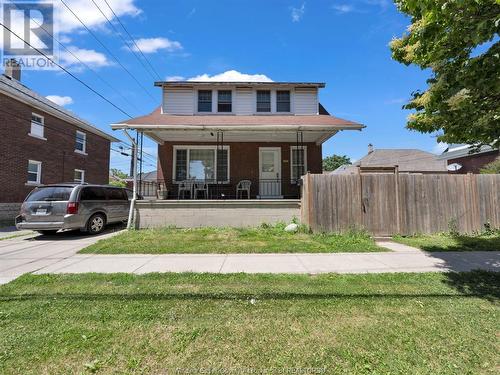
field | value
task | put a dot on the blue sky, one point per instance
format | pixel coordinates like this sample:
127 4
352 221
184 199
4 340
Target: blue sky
342 43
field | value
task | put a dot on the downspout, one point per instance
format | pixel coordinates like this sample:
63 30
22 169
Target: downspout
134 167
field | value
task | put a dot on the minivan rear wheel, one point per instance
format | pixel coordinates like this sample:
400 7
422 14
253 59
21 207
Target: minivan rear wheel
96 224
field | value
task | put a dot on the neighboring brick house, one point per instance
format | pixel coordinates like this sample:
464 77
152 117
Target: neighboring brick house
43 143
466 159
221 136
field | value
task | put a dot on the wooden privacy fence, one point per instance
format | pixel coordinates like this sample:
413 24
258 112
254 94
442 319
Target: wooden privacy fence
386 204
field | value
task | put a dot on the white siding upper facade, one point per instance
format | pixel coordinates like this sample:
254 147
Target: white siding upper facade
184 100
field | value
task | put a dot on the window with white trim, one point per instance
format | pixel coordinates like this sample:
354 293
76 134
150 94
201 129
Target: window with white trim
282 101
224 101
80 142
298 162
34 172
79 176
37 125
204 100
203 163
263 101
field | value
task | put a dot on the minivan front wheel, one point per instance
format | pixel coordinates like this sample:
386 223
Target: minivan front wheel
96 224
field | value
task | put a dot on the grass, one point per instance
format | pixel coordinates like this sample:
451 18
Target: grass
452 242
353 324
265 239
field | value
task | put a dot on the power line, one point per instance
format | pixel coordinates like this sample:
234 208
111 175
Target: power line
122 38
68 72
84 64
133 40
107 49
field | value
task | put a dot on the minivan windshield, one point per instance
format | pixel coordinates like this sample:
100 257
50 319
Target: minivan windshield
50 193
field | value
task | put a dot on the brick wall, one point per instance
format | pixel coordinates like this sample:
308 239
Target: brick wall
473 163
57 153
244 164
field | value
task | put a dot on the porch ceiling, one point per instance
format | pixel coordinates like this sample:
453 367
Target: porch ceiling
163 135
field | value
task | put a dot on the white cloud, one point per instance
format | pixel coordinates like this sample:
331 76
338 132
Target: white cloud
152 45
343 8
60 100
298 13
89 13
175 78
232 76
191 13
88 56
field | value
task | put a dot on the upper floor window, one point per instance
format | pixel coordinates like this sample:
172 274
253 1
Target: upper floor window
263 101
79 176
81 142
204 101
282 101
224 101
34 172
37 125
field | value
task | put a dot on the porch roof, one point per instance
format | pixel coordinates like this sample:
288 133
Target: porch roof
238 128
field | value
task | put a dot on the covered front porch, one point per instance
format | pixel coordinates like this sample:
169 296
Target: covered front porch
232 163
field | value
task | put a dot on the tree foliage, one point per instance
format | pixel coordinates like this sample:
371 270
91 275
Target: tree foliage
331 163
491 168
457 40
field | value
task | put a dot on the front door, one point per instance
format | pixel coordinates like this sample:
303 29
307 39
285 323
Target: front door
270 172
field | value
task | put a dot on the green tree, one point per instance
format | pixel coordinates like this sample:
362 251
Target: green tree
491 168
458 41
117 177
330 163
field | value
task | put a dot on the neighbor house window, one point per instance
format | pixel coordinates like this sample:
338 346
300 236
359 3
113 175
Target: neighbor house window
224 101
79 176
204 101
37 125
81 142
202 163
263 101
282 101
34 172
298 162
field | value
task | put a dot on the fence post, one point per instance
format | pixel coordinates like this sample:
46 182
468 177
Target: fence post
396 184
309 201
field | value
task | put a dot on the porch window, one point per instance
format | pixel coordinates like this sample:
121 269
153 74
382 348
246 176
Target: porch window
298 162
224 101
282 101
263 101
201 163
204 101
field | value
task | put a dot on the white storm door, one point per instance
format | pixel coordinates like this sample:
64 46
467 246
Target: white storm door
270 172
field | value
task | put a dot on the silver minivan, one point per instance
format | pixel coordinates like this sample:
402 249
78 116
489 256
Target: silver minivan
50 208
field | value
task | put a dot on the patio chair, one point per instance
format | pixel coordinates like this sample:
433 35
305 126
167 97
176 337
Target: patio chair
185 186
201 186
243 186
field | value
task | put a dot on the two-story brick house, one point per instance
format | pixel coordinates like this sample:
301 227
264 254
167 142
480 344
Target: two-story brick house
215 139
43 143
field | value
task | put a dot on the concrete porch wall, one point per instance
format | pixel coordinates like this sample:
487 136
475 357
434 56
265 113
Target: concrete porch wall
202 213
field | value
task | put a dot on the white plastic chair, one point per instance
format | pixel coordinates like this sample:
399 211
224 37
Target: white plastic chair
200 186
243 186
185 186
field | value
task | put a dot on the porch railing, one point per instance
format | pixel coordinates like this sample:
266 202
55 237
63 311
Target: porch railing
210 189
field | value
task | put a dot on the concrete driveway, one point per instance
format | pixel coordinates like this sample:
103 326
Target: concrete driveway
57 254
30 251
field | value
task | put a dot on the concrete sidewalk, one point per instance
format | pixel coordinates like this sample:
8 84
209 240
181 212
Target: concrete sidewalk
57 254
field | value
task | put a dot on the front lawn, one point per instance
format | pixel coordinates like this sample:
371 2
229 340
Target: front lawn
451 242
264 239
196 323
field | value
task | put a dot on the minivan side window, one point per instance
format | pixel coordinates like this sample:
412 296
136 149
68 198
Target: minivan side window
93 194
117 194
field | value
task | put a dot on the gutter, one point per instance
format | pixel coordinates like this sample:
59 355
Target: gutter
238 127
